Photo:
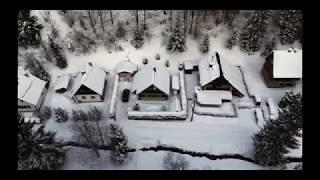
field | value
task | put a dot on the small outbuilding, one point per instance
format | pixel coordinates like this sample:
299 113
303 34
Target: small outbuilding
282 68
212 98
62 83
126 69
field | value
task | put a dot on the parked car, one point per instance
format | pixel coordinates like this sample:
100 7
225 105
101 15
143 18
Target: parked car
125 95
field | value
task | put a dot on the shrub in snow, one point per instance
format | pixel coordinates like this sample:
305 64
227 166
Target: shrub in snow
75 115
167 63
175 162
28 29
37 150
204 47
232 40
136 107
177 40
118 143
180 67
83 116
137 40
57 52
45 113
145 61
290 26
94 114
250 38
157 57
61 115
120 32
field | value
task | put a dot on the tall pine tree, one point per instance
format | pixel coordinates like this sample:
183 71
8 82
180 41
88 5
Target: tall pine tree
28 29
269 47
177 40
232 40
118 143
37 150
61 60
204 47
290 26
277 136
250 38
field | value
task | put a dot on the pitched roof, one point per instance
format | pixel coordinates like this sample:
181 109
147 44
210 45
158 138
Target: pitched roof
233 75
30 88
126 66
62 82
151 75
287 64
94 79
209 70
207 73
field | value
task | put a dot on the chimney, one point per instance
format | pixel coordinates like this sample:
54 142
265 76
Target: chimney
290 50
90 64
211 62
295 50
154 69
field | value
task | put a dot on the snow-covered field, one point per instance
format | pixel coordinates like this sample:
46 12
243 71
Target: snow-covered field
216 135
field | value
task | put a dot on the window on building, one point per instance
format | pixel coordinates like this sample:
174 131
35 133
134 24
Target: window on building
93 97
24 107
83 97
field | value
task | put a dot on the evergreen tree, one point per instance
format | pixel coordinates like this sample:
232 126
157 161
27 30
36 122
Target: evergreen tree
118 143
232 40
61 60
250 38
290 26
274 139
204 47
177 40
120 32
61 115
269 145
269 47
137 41
37 149
36 68
45 113
28 29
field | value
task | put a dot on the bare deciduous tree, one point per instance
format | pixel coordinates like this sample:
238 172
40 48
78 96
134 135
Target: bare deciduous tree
111 16
192 14
101 19
91 21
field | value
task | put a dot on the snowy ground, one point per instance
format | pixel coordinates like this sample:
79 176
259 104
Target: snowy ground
204 134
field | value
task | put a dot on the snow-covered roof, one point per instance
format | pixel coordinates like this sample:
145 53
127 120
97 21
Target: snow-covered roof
233 75
207 73
212 97
94 79
188 65
126 66
62 82
175 82
287 64
152 75
30 88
